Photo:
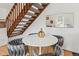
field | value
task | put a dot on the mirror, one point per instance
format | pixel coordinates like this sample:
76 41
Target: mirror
60 20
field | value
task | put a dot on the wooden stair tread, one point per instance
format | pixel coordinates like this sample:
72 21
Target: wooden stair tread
39 6
35 10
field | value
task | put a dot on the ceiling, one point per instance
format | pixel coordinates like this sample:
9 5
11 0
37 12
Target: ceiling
4 10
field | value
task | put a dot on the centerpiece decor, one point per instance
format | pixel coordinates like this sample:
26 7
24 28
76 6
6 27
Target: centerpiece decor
41 34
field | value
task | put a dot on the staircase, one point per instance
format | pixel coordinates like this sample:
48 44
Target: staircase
21 16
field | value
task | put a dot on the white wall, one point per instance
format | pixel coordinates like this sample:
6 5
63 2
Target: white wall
5 9
71 35
3 36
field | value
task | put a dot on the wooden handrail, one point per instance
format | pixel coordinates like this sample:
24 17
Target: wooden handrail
10 17
15 16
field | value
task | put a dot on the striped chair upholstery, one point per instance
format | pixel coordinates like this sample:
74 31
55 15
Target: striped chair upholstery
11 50
16 48
58 50
60 40
58 46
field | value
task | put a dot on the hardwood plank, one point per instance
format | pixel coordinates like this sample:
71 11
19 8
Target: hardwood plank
3 50
67 53
2 24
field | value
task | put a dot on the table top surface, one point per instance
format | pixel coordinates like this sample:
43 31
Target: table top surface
34 40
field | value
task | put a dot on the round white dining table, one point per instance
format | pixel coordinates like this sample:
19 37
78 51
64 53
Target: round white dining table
34 40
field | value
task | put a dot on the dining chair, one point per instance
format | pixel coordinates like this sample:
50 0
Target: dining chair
22 50
11 50
60 40
16 48
58 51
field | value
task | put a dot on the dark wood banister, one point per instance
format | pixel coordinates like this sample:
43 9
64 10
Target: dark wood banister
15 21
7 18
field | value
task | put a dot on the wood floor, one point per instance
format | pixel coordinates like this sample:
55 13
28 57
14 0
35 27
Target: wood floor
4 51
2 24
67 53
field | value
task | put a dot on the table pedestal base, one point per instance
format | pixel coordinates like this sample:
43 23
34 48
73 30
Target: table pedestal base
39 50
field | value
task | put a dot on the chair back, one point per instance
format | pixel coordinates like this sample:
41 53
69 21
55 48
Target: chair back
58 46
58 50
60 40
16 48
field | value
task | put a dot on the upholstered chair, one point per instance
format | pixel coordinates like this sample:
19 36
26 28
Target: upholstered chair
58 51
16 48
60 40
11 50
